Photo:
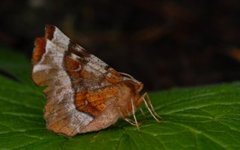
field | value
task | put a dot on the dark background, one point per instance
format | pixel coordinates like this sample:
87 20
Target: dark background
164 43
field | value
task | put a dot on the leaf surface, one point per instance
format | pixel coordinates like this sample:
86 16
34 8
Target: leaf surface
194 118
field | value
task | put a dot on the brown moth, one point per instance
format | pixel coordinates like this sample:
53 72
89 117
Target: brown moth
83 93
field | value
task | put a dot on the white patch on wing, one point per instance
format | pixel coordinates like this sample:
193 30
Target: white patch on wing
109 74
90 69
51 60
96 63
61 40
74 56
40 67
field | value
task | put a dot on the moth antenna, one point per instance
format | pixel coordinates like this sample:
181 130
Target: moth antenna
125 74
149 108
129 76
134 116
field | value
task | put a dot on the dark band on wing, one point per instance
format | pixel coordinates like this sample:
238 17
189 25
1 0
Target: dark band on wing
49 31
78 50
39 50
40 44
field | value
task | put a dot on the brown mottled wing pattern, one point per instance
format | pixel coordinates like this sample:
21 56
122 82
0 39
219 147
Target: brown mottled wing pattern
78 83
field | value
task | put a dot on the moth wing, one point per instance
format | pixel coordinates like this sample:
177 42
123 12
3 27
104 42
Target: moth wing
66 69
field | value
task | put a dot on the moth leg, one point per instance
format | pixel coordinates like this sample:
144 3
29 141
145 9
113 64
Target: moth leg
150 103
142 112
133 112
128 120
132 122
150 107
138 103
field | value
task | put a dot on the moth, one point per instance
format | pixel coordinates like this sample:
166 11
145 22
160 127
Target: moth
83 93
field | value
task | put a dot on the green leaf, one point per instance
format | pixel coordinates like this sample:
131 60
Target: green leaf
16 64
194 118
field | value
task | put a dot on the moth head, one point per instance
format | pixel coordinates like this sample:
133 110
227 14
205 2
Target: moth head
134 101
135 84
129 96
